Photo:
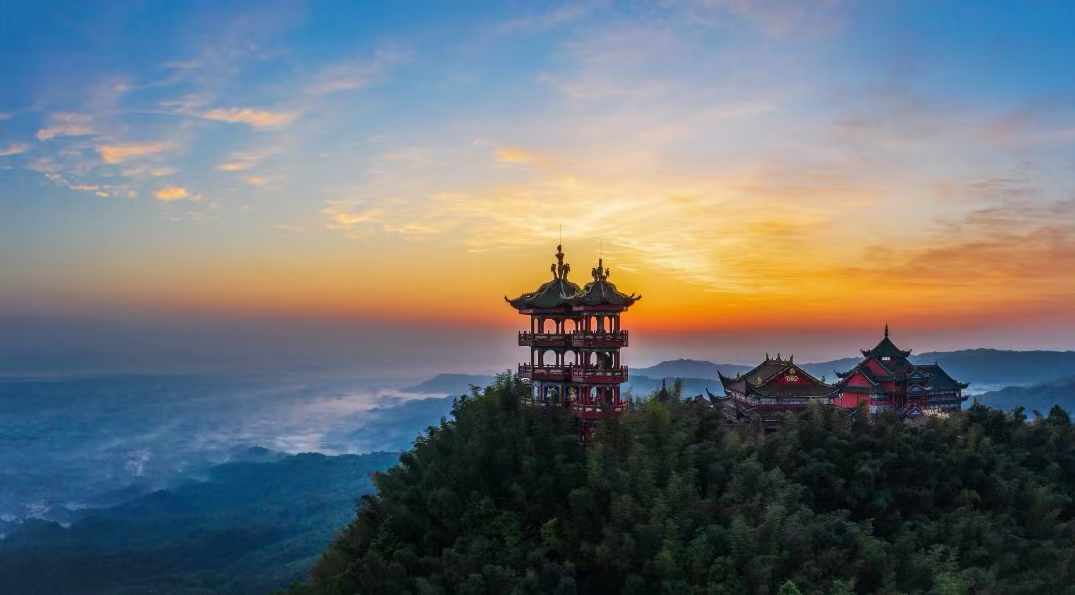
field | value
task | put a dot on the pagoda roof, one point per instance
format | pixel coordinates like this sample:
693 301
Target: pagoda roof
938 379
763 380
886 348
898 368
601 292
554 294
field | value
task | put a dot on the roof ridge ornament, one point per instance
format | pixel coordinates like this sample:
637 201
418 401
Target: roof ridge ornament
559 269
886 330
600 273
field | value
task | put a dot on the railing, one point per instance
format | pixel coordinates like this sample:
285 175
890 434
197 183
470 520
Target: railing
599 340
598 375
547 373
527 339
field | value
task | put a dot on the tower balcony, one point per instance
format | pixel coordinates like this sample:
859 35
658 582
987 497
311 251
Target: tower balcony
591 340
598 375
527 339
545 373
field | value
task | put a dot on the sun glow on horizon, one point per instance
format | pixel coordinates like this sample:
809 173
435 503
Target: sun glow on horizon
749 171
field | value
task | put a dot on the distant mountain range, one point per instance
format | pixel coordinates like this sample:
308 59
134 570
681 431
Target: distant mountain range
250 527
449 384
1039 397
983 368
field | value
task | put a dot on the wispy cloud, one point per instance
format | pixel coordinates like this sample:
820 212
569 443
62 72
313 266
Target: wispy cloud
346 215
355 74
66 124
776 18
14 149
245 160
562 15
172 193
118 153
514 155
256 118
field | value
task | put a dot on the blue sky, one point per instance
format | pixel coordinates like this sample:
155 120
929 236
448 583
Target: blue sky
762 170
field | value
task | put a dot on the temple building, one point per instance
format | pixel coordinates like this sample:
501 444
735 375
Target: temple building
886 380
772 388
575 340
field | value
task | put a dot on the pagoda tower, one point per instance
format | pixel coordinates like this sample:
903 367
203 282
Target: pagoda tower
575 339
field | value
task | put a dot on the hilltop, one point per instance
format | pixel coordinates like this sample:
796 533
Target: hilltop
504 499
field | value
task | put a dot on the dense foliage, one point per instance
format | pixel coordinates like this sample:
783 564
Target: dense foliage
666 499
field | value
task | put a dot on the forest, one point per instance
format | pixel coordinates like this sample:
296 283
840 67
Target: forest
501 498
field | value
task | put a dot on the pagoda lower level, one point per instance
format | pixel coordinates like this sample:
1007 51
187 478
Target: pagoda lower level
575 340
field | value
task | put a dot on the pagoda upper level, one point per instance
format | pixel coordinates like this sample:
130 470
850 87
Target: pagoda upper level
575 340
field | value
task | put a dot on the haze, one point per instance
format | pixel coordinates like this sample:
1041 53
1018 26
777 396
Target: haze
356 186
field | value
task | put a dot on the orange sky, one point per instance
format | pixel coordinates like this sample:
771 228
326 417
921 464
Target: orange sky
763 174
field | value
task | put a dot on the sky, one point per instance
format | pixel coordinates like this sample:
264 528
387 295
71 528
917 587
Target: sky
359 184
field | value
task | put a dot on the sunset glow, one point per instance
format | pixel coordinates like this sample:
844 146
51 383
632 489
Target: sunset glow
761 172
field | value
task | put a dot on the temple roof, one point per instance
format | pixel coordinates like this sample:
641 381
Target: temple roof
886 348
600 292
769 379
938 379
893 361
552 294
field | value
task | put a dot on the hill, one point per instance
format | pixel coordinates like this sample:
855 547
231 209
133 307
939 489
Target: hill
250 527
1003 367
689 368
1040 397
667 499
983 368
449 384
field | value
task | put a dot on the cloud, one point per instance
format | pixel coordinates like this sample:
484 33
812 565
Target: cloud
354 74
5 116
547 20
244 160
113 154
256 181
255 118
171 193
775 18
346 215
13 149
66 124
514 155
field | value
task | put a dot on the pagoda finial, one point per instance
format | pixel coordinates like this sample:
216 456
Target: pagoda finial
886 330
560 270
600 273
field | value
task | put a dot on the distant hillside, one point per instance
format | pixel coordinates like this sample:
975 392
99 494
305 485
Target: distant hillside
641 386
251 528
1003 367
983 368
689 368
828 370
1040 397
449 384
977 366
